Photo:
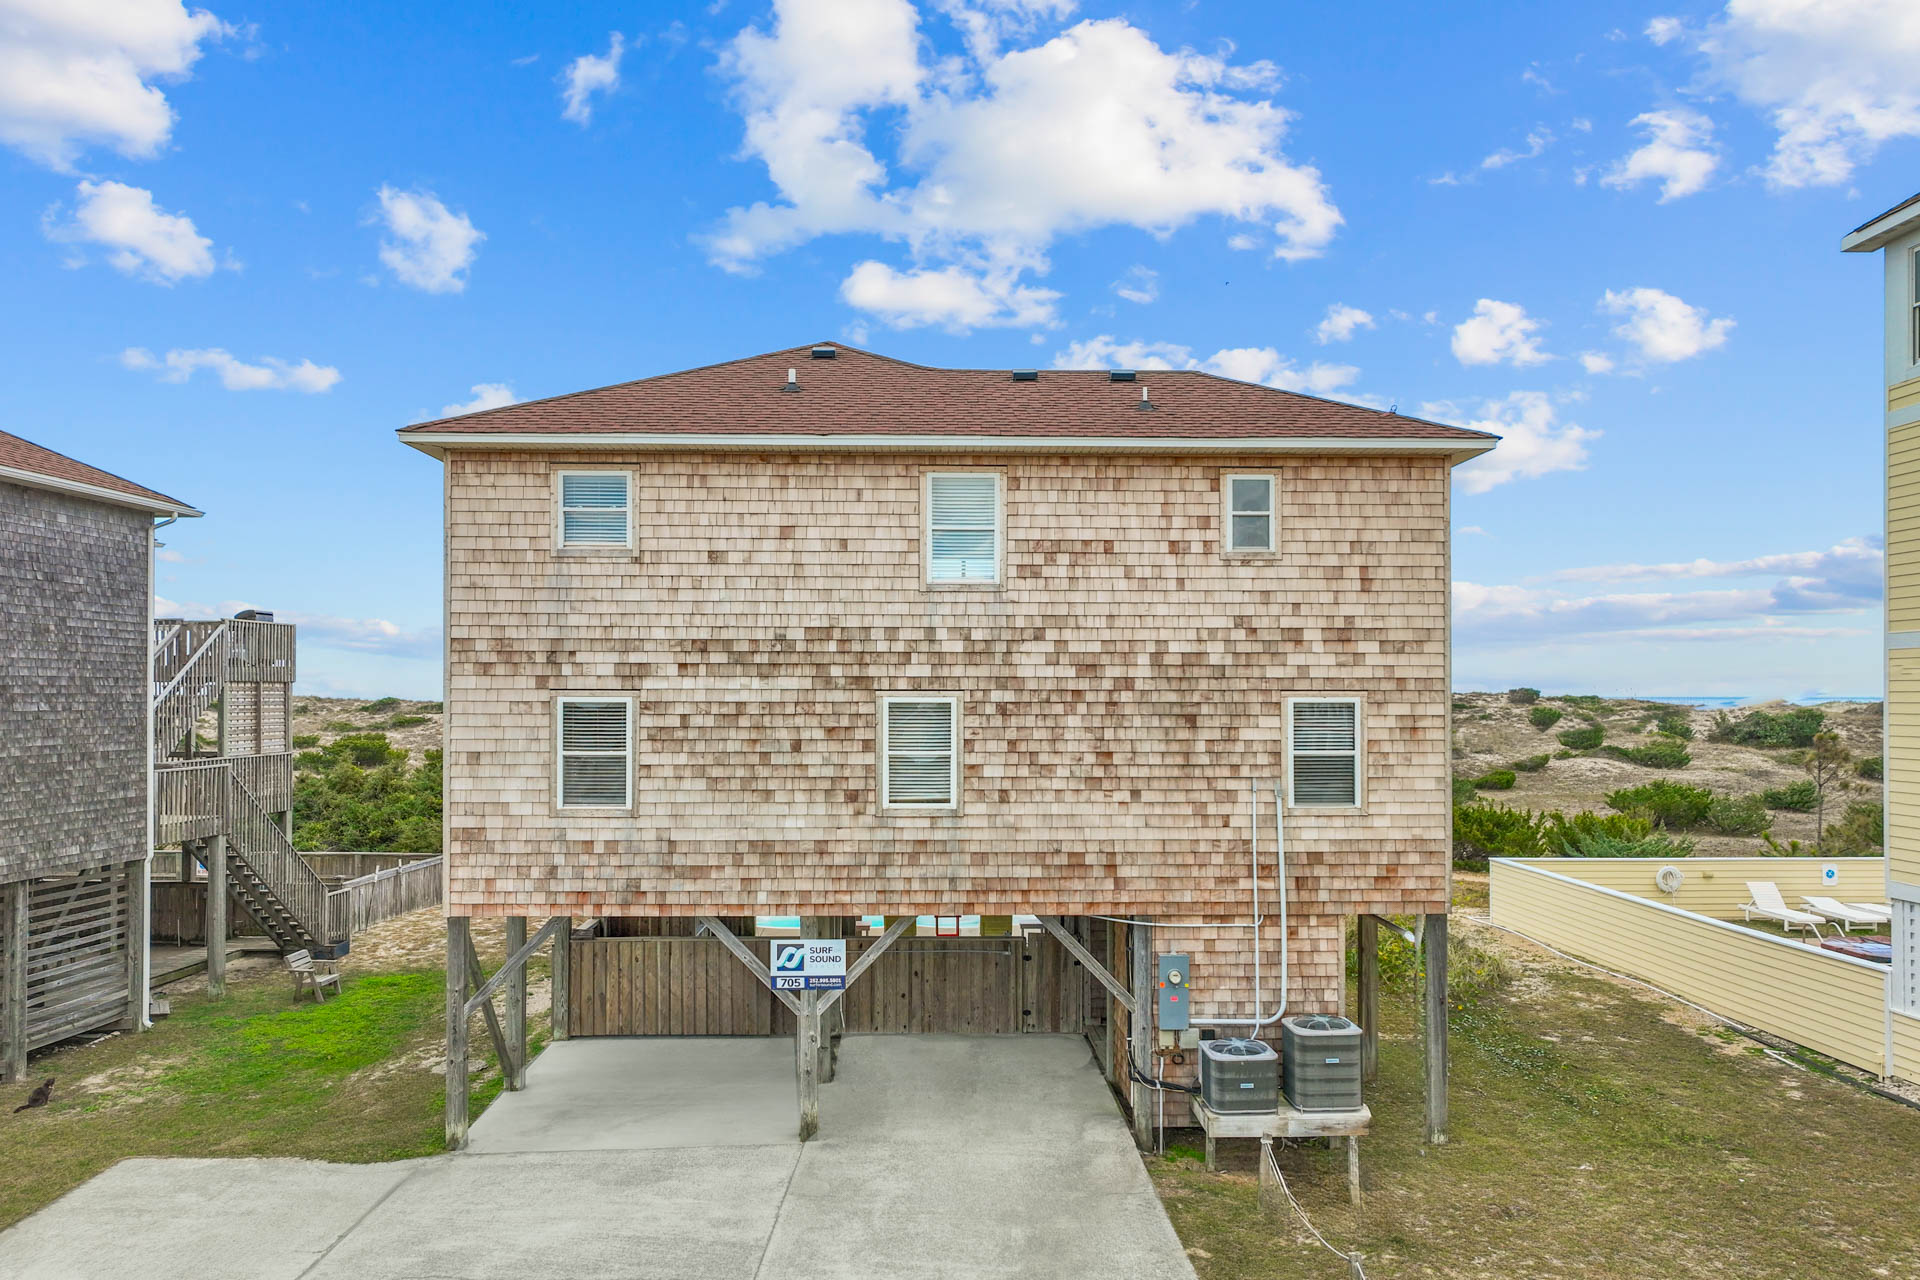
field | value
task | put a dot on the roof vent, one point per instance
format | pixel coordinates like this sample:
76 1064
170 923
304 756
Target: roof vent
1119 375
793 380
1026 375
822 353
1144 402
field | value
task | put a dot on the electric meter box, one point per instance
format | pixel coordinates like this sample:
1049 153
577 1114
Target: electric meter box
1322 1062
1175 1002
1239 1076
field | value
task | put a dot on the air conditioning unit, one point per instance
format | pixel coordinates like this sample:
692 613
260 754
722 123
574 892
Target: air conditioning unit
1239 1075
1323 1062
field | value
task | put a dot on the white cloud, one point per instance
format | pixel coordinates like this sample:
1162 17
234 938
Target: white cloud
1473 529
235 375
587 75
1596 362
486 395
74 73
139 237
1498 331
956 297
1245 364
1662 327
997 153
1844 579
986 24
1140 284
1241 242
427 245
1835 77
1538 140
1340 323
1534 442
363 635
1679 153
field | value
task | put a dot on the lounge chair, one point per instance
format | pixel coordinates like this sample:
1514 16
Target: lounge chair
1769 905
1847 914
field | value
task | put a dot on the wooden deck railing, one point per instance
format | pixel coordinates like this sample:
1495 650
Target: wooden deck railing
187 673
258 839
268 778
260 651
189 801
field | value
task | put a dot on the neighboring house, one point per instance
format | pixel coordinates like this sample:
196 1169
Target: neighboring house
76 592
820 632
1897 233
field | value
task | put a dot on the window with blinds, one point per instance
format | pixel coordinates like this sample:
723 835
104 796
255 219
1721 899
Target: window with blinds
595 752
594 509
919 752
1325 760
1249 513
963 526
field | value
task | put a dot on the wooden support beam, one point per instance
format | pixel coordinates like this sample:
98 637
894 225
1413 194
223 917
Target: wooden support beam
13 976
743 953
139 926
515 959
1079 952
457 982
806 1061
509 1070
1434 946
1367 942
562 987
215 930
833 1017
516 1020
1140 1044
899 929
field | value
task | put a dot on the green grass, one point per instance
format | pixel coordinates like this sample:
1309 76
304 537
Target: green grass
1590 1137
255 1074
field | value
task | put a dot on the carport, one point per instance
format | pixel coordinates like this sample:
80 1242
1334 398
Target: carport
938 1155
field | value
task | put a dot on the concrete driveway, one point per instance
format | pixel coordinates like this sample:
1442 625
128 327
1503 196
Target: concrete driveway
938 1156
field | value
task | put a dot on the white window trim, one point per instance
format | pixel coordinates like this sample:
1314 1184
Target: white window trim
560 511
1359 753
1913 309
953 700
999 528
1226 513
560 753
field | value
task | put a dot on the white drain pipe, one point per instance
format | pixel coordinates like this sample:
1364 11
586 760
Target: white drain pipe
1256 1022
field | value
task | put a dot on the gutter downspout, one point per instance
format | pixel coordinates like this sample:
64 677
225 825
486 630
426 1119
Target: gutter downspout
142 1017
1257 1022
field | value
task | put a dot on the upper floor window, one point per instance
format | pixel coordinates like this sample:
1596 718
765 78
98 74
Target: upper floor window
596 748
919 751
1324 763
964 524
1914 315
1250 513
595 509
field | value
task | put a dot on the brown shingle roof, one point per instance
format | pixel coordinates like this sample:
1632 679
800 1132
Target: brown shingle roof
860 393
23 456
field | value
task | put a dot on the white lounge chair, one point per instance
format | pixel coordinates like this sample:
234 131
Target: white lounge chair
1769 905
1845 914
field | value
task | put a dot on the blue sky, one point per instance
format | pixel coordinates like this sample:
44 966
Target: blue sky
243 246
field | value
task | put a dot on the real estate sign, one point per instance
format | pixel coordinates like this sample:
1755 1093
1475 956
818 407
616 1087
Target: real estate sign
810 965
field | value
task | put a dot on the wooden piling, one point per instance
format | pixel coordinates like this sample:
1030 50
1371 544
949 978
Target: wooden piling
1434 945
563 980
1140 1045
1367 942
515 1030
215 931
456 1032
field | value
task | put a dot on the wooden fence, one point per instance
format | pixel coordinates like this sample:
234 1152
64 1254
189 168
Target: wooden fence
358 904
79 966
693 987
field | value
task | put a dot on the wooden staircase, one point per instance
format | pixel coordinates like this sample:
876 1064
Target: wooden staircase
273 882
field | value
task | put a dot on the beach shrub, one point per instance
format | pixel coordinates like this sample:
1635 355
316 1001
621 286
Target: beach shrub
1738 816
1612 835
385 808
405 722
382 704
1657 754
1544 718
1530 764
1462 791
1861 830
301 741
1673 805
1795 728
1592 703
1495 780
1795 797
1871 768
1482 831
1585 738
1523 697
1675 724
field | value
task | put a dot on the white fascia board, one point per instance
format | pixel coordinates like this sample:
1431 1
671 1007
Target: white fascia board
437 442
35 480
1878 233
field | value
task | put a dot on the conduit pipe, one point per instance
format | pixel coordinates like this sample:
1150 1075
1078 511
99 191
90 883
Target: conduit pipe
1256 1022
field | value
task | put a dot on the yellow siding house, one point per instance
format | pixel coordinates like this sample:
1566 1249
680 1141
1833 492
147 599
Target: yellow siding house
1896 234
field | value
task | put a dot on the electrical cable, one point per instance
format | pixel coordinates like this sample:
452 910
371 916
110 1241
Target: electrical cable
1354 1269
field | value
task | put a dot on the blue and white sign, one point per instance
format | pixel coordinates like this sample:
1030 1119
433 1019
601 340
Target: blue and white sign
1829 875
810 965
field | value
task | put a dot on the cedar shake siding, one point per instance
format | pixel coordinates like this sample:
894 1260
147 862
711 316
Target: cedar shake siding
73 688
1116 688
